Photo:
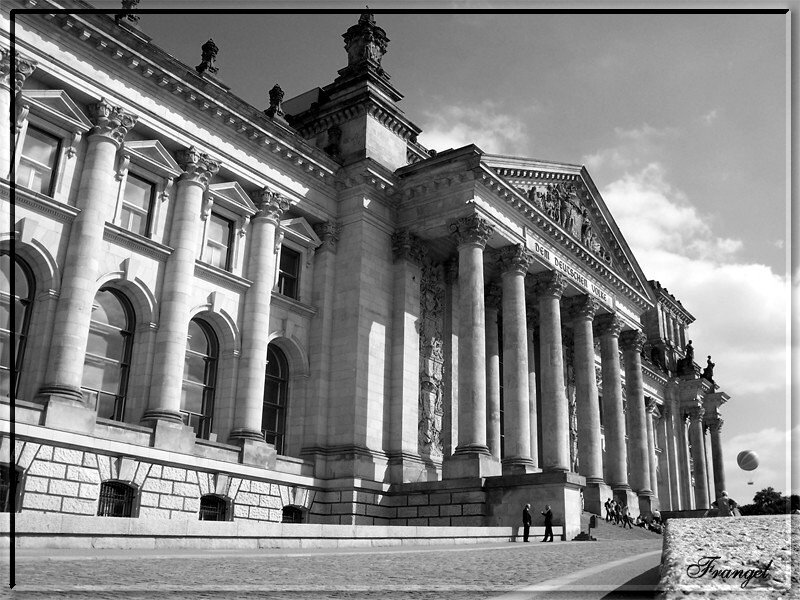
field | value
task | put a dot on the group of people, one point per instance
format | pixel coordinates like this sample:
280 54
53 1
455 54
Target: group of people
548 523
619 513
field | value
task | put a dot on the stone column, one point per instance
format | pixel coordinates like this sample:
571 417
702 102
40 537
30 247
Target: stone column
471 458
532 401
492 307
176 298
651 445
632 342
687 496
450 351
698 457
23 67
672 432
716 457
607 329
555 412
404 417
81 269
255 335
514 261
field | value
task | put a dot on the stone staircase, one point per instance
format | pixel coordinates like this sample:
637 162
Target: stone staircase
607 530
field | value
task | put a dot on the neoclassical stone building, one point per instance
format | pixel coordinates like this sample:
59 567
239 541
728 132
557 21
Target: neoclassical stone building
297 312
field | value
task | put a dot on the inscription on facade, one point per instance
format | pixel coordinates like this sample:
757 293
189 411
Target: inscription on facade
570 271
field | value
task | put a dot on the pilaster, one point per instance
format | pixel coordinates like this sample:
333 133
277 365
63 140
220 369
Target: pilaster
632 342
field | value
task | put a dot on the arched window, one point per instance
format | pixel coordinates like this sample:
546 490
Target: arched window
13 335
10 488
292 514
108 354
116 499
199 377
273 419
215 508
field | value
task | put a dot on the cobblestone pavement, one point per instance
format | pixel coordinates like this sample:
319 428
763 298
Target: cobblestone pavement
466 572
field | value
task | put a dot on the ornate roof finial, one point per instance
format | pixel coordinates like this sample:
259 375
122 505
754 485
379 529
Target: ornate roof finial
365 43
275 99
127 7
209 57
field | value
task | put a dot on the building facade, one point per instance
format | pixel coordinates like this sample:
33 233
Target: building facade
297 312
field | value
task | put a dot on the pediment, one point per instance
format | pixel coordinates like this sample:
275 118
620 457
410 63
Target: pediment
233 197
298 230
154 156
56 106
573 210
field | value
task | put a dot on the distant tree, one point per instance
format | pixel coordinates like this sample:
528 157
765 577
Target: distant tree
770 502
766 497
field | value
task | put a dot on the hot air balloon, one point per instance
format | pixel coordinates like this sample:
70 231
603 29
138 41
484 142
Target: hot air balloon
747 460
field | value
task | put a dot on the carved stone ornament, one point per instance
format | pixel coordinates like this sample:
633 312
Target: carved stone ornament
607 324
365 42
650 404
514 259
696 414
550 284
493 296
275 109
197 166
111 121
716 424
127 7
431 360
271 205
328 232
23 67
472 230
407 246
632 340
583 308
209 52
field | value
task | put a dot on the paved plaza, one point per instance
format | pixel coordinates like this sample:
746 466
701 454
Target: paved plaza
512 571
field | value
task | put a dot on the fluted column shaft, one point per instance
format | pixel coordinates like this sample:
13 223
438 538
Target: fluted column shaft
84 252
590 451
675 478
698 457
173 326
493 296
716 457
651 447
613 416
555 411
632 342
471 234
514 262
22 69
255 337
532 400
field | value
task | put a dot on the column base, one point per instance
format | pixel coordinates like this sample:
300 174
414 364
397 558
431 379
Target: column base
405 467
519 466
465 463
168 435
66 413
645 504
595 495
255 452
161 414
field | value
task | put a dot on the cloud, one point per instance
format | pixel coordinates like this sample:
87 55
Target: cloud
482 124
633 148
772 447
710 116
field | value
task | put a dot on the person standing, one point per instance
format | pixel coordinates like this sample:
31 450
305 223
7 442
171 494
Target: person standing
626 518
607 506
548 523
725 505
526 522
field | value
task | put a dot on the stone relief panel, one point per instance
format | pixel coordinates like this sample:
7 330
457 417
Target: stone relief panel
570 391
431 359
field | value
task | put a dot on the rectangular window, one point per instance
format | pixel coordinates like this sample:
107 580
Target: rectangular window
137 205
219 238
37 163
289 273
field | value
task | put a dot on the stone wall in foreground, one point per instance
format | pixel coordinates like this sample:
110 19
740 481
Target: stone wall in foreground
756 557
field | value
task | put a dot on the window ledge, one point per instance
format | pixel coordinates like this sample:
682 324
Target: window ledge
39 202
123 237
220 276
293 305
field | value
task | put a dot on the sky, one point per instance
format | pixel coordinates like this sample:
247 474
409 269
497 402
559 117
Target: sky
680 119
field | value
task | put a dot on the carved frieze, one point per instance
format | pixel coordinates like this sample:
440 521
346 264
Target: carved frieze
431 357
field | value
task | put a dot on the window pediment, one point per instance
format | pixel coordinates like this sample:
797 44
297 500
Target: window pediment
230 196
57 107
152 155
300 232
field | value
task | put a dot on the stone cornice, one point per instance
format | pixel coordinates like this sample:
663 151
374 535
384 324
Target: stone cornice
150 62
141 245
291 305
64 213
223 278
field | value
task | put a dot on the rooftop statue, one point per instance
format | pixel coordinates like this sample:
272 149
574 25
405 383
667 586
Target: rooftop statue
209 57
365 43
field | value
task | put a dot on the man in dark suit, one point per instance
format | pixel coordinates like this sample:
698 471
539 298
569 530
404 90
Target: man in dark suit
526 522
548 523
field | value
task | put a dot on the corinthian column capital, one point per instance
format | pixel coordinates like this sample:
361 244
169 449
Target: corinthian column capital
472 230
607 324
197 166
110 121
407 246
514 259
550 283
23 67
632 339
328 232
696 414
715 424
582 308
271 205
